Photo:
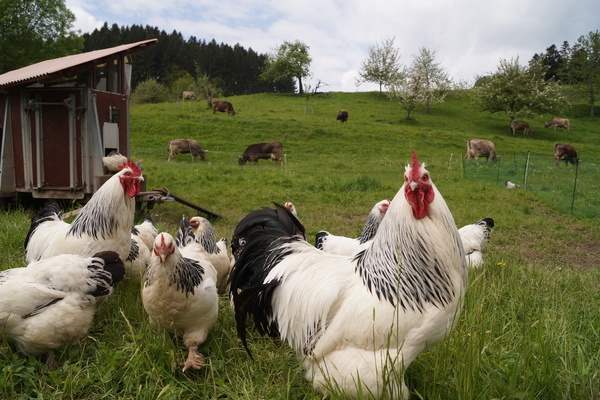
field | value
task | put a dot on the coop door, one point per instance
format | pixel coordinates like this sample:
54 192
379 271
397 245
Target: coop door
55 141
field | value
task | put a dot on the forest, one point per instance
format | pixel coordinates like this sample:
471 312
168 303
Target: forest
233 69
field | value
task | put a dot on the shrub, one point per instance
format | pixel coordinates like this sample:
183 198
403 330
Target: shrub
150 91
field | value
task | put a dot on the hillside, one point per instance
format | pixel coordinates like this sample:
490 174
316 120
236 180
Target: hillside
529 326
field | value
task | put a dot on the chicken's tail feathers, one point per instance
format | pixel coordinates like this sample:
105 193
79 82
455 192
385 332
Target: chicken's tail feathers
108 269
50 212
254 301
320 239
185 234
487 222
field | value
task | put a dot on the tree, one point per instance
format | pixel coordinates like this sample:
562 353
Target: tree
290 60
517 90
35 30
424 83
584 67
382 65
436 83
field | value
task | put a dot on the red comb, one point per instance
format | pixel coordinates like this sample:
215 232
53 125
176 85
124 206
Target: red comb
133 166
415 167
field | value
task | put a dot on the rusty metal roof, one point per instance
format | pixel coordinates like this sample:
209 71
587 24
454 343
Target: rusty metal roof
45 69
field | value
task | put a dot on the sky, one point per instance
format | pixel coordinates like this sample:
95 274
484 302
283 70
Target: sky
469 37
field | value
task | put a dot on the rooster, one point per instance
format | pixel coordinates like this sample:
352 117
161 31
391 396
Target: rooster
357 322
180 292
113 161
103 223
346 246
216 251
474 238
51 303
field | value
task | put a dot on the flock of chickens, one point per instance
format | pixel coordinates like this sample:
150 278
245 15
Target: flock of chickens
357 311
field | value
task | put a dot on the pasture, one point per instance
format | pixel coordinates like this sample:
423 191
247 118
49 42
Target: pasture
529 328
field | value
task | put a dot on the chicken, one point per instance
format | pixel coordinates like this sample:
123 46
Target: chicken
268 218
113 161
180 293
216 251
138 258
146 232
104 223
290 206
51 303
356 322
474 238
346 246
510 185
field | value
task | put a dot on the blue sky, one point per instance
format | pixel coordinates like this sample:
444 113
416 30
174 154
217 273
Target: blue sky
469 37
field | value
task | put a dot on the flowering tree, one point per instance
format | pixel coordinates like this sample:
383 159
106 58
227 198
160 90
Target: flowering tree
423 83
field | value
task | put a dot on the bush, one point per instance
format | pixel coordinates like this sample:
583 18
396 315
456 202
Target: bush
150 91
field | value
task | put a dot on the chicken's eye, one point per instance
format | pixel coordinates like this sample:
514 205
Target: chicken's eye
425 178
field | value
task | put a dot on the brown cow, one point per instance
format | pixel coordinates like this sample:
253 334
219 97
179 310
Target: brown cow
185 146
187 95
481 148
342 115
516 125
223 106
558 123
566 153
264 151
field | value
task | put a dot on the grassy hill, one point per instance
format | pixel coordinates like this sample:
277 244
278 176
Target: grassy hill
529 328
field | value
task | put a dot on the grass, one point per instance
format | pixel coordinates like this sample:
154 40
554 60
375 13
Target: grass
530 325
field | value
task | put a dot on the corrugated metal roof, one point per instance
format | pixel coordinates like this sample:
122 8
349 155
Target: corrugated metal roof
44 69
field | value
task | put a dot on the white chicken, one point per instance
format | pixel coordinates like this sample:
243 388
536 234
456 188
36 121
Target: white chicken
146 232
104 223
216 251
138 259
474 238
511 185
180 293
357 322
346 246
113 161
51 303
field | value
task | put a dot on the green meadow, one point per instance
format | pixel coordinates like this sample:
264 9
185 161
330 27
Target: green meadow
530 327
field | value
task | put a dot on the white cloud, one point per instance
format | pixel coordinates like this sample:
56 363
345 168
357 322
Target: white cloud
469 36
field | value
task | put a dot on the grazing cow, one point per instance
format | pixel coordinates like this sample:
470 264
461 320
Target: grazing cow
481 148
516 125
185 146
566 153
558 123
189 96
223 106
342 115
264 151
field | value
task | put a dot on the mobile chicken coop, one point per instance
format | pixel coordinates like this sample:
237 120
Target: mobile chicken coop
59 117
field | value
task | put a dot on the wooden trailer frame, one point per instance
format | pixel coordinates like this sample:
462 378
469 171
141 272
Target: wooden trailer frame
59 117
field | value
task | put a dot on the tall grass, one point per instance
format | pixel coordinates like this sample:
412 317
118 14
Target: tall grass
530 325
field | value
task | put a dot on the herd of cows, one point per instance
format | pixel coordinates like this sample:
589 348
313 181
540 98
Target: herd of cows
476 148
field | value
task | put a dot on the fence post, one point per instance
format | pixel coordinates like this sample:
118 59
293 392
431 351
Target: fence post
574 187
526 171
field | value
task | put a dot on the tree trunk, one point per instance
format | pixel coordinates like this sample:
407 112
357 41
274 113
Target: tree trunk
300 89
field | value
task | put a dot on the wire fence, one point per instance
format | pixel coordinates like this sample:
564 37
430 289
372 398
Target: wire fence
572 189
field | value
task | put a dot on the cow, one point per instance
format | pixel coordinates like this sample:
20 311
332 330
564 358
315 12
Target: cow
187 95
264 151
558 123
342 115
481 148
223 106
566 153
516 125
185 146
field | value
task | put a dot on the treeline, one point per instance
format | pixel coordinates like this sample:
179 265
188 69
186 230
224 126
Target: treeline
234 70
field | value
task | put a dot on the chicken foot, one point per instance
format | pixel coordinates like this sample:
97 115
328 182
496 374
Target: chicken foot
194 360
